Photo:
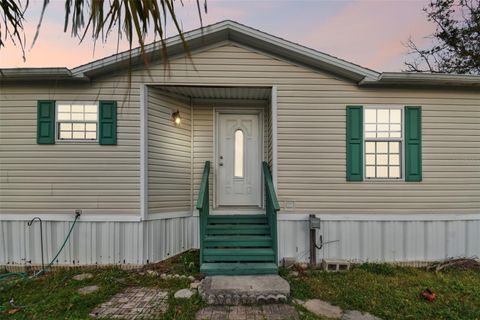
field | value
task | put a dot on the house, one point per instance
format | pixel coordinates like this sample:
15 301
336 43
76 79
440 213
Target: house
232 151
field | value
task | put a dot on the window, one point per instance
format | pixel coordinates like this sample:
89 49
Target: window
238 154
77 122
383 143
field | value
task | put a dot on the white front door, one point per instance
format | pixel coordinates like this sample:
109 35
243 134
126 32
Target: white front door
239 160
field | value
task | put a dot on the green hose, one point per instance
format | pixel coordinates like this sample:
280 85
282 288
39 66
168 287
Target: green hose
24 276
61 248
5 276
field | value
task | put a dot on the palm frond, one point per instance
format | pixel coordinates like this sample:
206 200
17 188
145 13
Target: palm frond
11 23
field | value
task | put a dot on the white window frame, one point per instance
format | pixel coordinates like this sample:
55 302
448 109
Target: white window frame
57 122
401 139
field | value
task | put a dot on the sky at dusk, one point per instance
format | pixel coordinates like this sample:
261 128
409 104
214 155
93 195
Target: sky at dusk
369 33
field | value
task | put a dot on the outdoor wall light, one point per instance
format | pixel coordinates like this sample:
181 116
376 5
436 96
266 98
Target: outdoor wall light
176 118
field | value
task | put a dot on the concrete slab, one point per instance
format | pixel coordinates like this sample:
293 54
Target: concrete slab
357 315
236 290
183 294
82 276
88 290
323 309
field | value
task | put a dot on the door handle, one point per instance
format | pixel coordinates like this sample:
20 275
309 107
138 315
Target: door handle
221 157
220 164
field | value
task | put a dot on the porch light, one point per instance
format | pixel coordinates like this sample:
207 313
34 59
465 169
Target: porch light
176 118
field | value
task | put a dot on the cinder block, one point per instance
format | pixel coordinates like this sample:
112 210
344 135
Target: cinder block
335 265
289 261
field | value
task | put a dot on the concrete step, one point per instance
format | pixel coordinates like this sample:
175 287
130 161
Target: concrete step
236 290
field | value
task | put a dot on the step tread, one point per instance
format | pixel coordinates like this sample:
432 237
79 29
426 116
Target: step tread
238 216
239 251
237 219
237 241
237 230
251 268
222 238
236 226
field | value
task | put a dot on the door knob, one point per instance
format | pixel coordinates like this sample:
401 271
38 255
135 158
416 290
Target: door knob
221 157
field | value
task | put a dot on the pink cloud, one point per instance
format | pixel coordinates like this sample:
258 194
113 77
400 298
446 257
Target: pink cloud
371 33
54 48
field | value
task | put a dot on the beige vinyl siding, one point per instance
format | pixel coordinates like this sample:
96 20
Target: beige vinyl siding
269 135
311 136
311 139
57 179
203 148
169 154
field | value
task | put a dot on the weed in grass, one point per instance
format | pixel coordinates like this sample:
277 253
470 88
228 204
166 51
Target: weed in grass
186 263
55 295
394 292
379 268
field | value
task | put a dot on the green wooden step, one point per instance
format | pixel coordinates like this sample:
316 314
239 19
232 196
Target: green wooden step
233 241
243 254
253 268
237 229
238 219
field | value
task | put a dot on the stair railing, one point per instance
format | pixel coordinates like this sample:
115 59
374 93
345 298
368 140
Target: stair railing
203 205
271 207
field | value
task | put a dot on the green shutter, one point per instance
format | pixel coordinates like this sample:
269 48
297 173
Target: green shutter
108 123
46 122
413 144
354 143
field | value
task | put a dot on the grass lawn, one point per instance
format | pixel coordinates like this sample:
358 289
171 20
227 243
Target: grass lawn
385 291
393 292
55 295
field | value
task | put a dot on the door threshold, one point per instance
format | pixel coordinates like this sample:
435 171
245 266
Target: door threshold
237 211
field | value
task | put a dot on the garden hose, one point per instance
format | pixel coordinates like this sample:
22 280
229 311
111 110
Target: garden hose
61 248
23 275
5 276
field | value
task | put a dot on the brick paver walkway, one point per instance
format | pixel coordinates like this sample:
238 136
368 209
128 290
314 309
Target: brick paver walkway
266 312
134 303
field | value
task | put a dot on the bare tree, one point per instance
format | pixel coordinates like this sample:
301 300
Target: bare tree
456 39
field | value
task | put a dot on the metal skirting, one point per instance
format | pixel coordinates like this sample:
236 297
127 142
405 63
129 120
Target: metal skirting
97 243
382 241
138 243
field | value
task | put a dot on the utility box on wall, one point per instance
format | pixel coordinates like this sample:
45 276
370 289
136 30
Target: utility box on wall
314 222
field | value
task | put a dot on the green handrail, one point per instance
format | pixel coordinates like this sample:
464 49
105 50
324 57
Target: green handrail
203 205
271 207
203 185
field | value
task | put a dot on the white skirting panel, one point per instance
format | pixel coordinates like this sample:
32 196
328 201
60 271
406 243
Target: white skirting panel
97 243
382 241
137 243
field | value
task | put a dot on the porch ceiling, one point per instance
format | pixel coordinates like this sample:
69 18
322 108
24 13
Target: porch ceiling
210 92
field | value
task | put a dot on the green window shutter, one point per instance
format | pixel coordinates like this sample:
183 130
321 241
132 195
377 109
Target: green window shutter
108 123
354 143
46 122
413 144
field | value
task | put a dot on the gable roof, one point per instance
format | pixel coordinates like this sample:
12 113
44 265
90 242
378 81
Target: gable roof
236 32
